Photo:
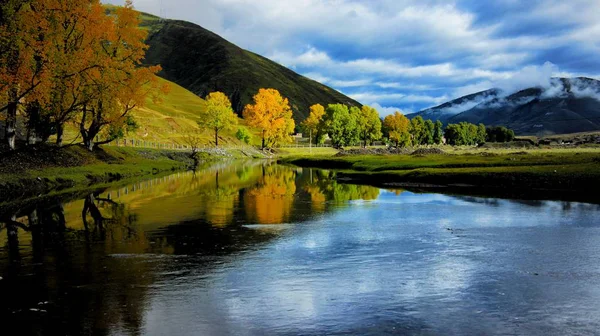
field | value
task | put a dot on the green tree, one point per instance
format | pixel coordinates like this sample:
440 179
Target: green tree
499 134
438 132
369 124
417 130
465 134
242 134
341 125
219 115
429 132
481 134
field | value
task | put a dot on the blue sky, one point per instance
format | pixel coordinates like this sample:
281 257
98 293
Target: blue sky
408 54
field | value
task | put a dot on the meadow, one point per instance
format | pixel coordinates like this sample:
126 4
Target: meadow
518 171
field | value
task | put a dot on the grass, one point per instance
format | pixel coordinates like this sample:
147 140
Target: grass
576 169
315 151
77 168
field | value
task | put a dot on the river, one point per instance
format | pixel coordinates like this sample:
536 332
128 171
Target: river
256 248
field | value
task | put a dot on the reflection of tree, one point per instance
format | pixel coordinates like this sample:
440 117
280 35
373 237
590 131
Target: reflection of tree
220 203
324 186
107 214
62 261
317 198
270 202
397 191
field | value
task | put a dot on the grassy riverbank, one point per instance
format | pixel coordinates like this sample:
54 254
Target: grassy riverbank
568 171
32 172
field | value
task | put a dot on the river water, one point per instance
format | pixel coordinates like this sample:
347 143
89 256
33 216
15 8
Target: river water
260 249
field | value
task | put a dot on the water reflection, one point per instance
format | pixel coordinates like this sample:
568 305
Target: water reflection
256 244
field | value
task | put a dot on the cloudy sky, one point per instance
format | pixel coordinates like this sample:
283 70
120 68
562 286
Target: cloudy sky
408 54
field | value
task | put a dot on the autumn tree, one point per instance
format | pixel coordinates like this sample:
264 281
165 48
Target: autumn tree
398 127
219 115
23 59
271 113
369 124
119 83
313 121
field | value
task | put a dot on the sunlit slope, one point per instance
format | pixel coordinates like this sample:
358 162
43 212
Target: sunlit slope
169 119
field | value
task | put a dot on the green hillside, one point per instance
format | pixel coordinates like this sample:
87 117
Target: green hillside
202 62
168 120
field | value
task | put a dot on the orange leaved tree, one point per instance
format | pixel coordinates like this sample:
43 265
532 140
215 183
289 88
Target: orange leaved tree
120 83
23 58
271 113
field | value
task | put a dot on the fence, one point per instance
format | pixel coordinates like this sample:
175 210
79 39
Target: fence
169 146
304 145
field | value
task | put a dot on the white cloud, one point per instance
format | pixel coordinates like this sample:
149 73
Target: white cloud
373 97
387 110
375 47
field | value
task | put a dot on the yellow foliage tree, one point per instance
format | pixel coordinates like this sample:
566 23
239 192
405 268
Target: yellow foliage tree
398 127
219 114
369 124
271 113
311 123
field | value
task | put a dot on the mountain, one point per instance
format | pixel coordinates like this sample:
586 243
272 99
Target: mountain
202 61
453 107
565 105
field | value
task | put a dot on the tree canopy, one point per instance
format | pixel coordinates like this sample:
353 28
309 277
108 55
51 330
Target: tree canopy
72 61
369 124
397 126
271 113
218 115
340 124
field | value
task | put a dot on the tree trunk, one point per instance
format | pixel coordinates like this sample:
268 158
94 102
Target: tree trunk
59 134
31 136
216 137
11 125
310 141
263 139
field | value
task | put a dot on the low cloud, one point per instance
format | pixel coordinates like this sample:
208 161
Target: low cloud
387 110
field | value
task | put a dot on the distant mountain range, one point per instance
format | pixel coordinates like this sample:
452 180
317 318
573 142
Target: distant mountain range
202 62
566 105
